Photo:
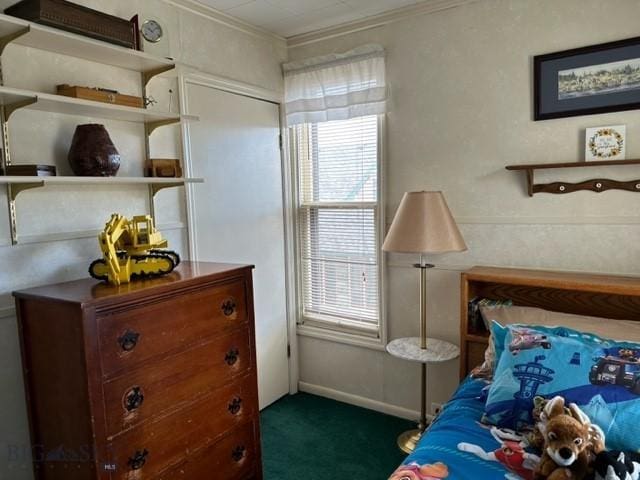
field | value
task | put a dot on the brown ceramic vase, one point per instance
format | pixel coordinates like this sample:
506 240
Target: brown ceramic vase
92 153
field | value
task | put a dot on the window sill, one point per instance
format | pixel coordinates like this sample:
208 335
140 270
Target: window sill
337 336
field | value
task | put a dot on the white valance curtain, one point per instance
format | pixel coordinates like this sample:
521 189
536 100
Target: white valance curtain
336 87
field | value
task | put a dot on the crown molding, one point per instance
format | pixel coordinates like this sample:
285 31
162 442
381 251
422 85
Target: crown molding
198 77
392 16
211 13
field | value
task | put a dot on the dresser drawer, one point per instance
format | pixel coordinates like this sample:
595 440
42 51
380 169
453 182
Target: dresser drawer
130 337
235 457
168 441
175 380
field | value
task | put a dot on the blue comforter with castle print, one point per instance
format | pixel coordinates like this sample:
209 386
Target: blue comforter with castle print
457 446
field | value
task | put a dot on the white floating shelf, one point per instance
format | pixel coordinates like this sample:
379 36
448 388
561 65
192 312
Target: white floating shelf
55 180
65 43
87 108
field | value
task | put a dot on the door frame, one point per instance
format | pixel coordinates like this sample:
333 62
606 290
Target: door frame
277 98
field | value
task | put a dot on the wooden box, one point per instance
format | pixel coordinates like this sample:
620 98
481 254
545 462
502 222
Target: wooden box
98 95
77 19
31 170
163 167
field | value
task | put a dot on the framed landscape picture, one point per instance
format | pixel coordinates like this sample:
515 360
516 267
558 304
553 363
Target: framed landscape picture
584 81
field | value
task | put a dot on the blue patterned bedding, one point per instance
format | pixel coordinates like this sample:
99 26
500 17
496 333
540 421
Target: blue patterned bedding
458 447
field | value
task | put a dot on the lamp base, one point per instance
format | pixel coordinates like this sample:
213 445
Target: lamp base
408 440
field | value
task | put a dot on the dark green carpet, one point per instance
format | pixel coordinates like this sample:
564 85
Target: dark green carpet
314 438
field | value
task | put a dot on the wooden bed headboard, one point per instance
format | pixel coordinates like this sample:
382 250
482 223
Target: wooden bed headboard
606 296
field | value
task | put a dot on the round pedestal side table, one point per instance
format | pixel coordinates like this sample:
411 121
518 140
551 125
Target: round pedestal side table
437 351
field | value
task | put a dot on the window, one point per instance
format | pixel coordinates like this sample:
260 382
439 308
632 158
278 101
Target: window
339 222
333 106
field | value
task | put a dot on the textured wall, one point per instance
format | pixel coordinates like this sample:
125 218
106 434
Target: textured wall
461 109
197 43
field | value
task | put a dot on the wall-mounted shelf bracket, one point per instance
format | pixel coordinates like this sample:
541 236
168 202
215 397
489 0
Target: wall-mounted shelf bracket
594 185
5 113
10 108
530 180
156 187
149 74
151 126
7 39
12 192
16 188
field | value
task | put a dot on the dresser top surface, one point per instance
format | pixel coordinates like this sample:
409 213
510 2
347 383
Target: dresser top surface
89 291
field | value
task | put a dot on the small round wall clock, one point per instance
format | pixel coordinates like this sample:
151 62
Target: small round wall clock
151 31
605 143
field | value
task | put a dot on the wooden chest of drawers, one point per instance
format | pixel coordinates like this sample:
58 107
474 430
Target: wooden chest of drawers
151 380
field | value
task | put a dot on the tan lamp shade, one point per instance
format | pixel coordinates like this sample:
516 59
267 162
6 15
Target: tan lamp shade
423 224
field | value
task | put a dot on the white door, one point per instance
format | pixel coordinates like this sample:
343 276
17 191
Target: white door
238 212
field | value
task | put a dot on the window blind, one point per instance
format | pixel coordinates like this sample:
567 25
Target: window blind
338 212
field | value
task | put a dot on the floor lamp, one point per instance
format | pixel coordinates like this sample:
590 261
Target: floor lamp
423 225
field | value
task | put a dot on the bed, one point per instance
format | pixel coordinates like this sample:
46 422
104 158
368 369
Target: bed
457 446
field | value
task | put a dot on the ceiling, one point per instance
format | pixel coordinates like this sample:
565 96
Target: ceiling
293 17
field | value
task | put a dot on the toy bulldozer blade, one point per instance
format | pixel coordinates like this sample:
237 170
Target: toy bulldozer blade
132 249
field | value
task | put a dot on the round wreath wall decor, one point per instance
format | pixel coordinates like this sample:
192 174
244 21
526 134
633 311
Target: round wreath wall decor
605 143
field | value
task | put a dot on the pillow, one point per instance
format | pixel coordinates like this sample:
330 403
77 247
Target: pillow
493 352
601 376
625 330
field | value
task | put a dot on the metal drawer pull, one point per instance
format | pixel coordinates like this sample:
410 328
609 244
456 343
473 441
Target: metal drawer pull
238 453
229 307
134 398
138 460
129 340
232 356
235 406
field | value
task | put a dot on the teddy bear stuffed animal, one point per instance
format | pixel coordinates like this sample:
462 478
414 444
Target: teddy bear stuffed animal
536 438
567 443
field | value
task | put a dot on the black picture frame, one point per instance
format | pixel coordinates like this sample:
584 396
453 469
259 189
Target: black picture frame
578 66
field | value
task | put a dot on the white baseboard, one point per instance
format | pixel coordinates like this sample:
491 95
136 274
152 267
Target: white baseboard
359 401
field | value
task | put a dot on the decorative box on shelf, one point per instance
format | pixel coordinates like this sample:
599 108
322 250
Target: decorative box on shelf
31 170
100 95
163 168
78 19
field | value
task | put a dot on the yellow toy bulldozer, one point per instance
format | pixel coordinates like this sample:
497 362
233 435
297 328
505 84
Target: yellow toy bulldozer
132 249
